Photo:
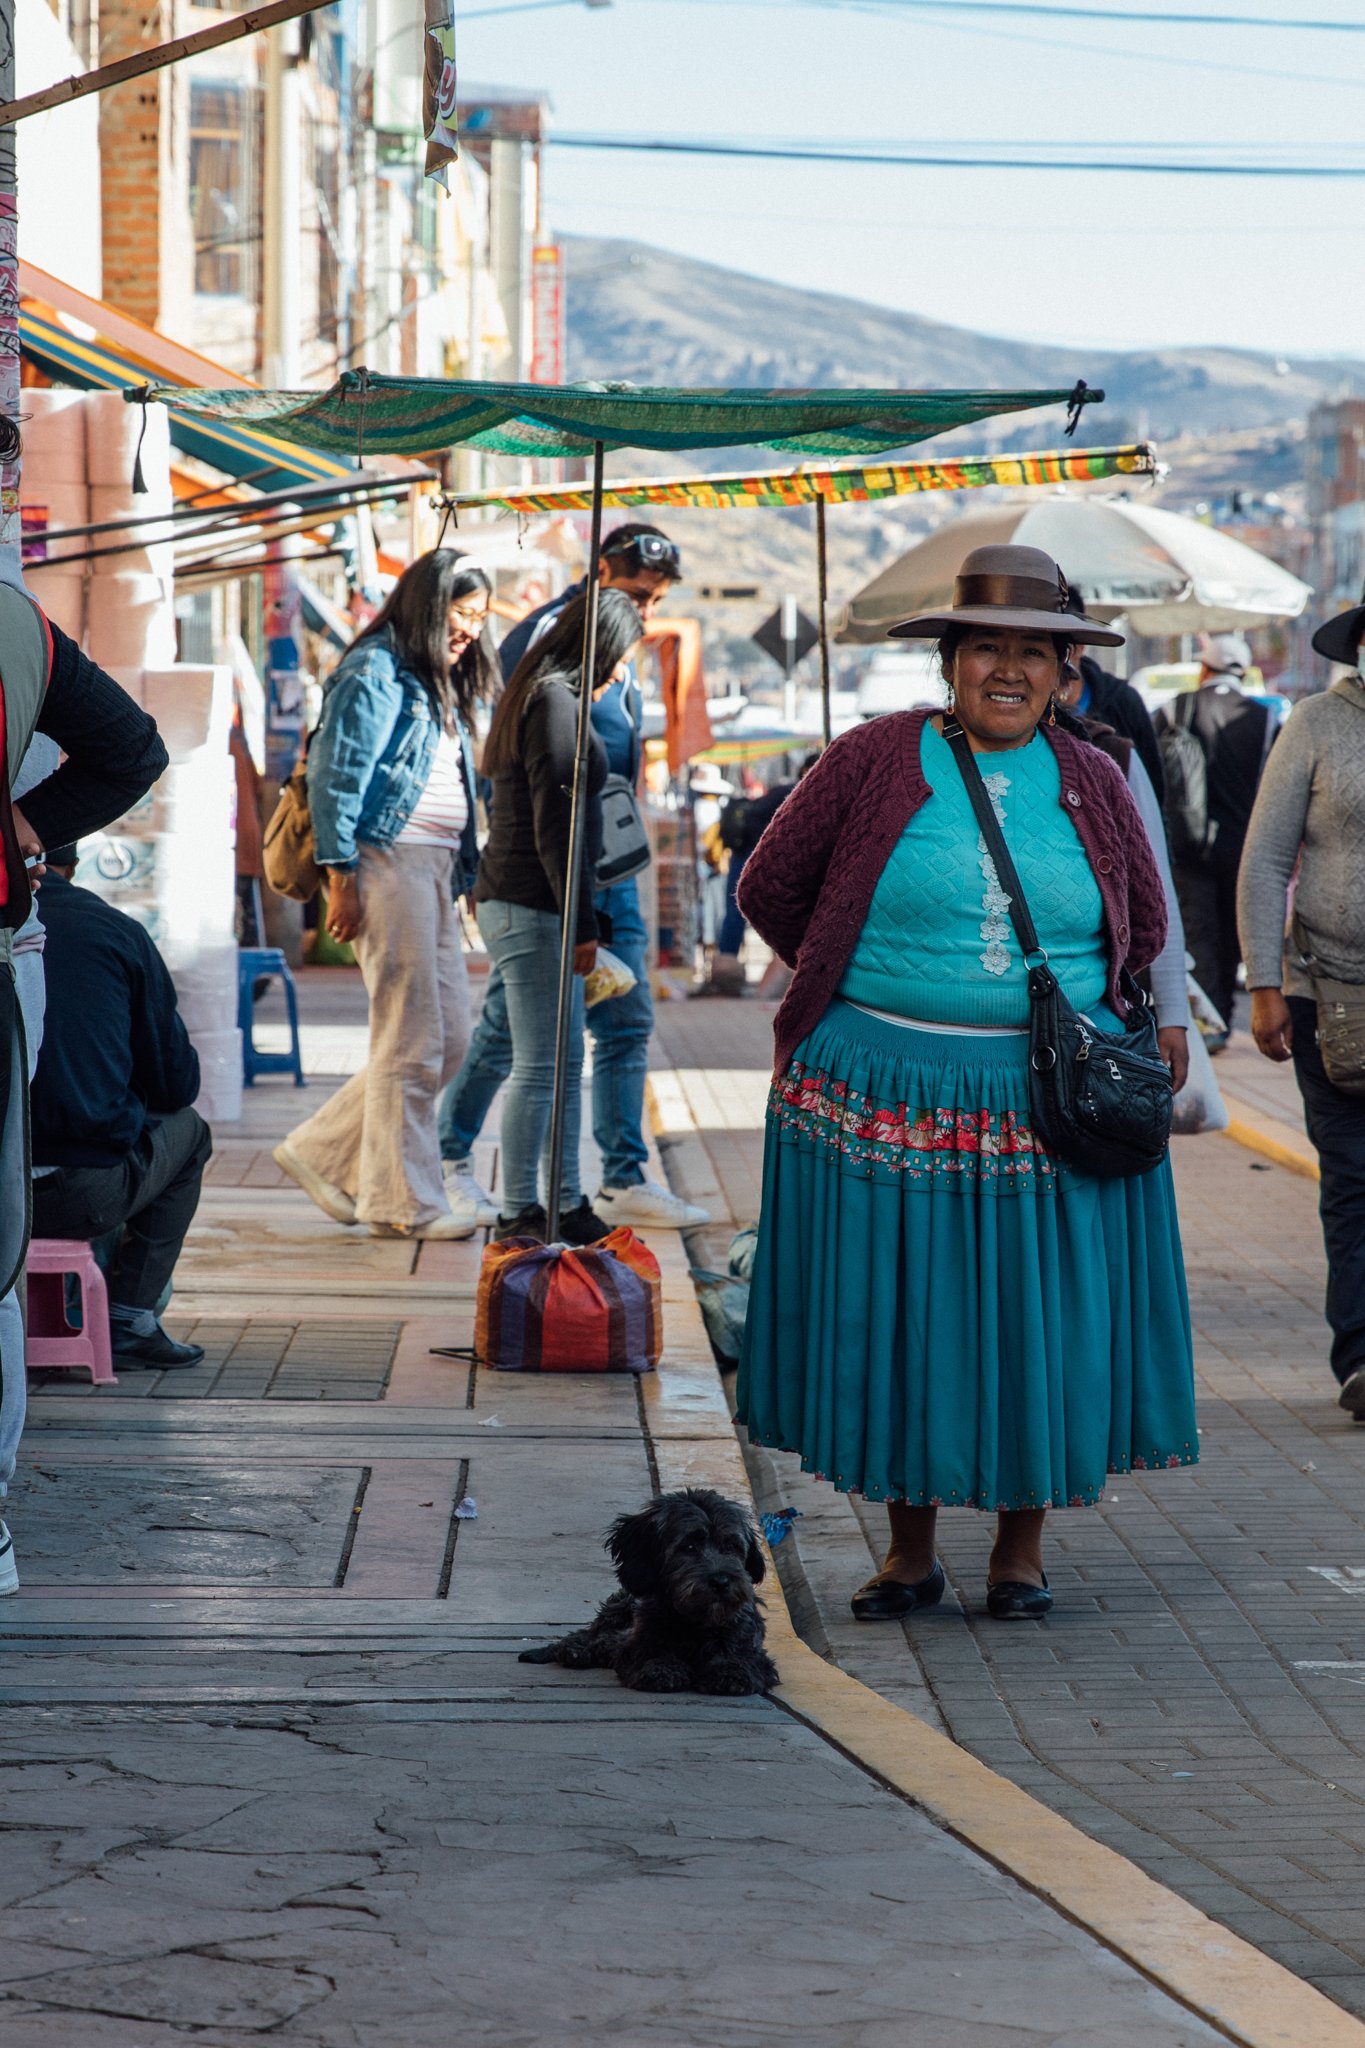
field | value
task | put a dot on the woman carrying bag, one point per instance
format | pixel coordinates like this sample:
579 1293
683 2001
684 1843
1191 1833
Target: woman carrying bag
968 1289
391 796
529 759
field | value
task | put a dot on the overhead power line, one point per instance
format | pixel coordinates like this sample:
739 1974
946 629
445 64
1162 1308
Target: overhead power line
793 153
1164 17
1125 17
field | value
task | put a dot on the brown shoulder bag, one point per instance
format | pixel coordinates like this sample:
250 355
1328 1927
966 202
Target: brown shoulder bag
288 853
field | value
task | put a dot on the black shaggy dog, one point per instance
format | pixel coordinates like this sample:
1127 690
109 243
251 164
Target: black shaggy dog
686 1618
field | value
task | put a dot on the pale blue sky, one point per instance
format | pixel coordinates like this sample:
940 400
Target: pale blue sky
1080 257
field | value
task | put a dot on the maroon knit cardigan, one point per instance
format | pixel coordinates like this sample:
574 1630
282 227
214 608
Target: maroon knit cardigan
807 887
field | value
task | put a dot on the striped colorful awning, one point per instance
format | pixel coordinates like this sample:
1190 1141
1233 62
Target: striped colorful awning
744 491
237 450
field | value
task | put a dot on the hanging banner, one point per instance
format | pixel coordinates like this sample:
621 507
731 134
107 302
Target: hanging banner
439 89
841 486
547 314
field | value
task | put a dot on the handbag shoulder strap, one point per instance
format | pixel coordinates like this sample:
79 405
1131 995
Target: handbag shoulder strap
1006 872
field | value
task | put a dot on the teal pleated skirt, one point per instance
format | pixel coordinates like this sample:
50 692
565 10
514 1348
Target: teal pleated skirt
940 1313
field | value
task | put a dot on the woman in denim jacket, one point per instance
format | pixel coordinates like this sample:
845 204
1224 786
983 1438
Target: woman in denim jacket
391 793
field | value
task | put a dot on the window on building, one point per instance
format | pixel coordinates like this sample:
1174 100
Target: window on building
223 186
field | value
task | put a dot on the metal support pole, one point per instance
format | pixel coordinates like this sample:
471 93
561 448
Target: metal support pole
9 312
578 818
143 61
823 586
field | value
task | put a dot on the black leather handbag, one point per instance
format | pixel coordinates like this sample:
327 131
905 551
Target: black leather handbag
1100 1101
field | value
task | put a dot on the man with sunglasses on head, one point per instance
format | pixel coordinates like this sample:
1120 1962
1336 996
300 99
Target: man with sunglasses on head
642 563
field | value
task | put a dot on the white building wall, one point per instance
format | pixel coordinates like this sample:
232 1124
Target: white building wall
58 157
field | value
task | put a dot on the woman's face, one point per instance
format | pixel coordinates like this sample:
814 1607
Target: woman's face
618 674
465 621
1002 682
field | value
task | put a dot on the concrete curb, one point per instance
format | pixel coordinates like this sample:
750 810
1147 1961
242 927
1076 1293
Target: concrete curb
1212 1972
1273 1140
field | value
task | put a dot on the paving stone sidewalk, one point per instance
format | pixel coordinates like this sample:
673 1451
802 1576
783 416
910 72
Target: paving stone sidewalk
1197 1698
270 1767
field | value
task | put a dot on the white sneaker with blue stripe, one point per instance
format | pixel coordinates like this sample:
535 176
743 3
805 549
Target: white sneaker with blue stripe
9 1570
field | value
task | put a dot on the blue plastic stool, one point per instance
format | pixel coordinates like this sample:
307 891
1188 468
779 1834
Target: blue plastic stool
252 963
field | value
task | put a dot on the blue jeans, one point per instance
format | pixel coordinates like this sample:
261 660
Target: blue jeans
621 1030
730 937
523 946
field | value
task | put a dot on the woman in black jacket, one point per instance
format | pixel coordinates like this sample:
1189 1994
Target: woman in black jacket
529 758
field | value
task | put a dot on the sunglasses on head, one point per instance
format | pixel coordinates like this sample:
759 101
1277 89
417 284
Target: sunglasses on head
651 550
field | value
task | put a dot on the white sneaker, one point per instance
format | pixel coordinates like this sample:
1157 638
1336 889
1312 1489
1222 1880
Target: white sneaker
466 1197
648 1205
446 1227
9 1570
332 1200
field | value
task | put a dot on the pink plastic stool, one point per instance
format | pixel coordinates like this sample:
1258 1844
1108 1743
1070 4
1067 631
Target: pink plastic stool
51 1339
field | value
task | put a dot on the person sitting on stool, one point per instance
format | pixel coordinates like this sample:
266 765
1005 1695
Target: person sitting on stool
117 1145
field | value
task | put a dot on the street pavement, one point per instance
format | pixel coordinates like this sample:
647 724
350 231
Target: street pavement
270 1766
1197 1697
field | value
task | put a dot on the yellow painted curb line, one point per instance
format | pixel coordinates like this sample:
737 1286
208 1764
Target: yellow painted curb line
1287 1156
1212 1972
1202 1965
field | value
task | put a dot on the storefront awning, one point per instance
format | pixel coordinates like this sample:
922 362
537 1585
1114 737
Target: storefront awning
77 340
366 413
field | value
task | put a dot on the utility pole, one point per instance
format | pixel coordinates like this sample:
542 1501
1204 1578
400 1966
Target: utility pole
283 206
10 555
789 660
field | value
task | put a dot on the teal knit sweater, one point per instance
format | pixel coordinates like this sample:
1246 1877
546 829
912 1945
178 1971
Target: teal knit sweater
938 943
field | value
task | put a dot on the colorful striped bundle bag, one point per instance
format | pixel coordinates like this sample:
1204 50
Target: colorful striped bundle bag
547 1308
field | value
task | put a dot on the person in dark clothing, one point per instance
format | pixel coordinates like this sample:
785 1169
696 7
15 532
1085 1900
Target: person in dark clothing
521 895
1115 703
742 824
113 750
55 699
117 1144
1235 732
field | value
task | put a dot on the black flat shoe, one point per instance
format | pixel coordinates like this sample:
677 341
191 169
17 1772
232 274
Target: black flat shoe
1016 1600
889 1599
156 1352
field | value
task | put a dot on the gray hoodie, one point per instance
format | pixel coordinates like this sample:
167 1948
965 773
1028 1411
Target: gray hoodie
1311 801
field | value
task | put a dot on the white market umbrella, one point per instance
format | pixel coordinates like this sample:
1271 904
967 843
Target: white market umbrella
1167 572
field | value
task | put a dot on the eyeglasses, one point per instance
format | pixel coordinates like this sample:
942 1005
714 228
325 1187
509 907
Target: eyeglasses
651 550
468 615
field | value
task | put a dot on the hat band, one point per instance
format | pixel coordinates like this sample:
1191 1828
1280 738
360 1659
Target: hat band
1008 593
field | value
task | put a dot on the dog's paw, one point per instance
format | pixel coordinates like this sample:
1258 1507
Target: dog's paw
734 1680
548 1653
660 1674
580 1653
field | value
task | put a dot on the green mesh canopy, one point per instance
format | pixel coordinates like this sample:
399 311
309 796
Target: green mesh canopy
363 414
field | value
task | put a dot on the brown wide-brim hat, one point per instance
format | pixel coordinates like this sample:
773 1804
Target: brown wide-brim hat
1340 638
1017 588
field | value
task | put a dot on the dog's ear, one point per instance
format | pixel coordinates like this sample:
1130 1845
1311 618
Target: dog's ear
633 1541
732 1520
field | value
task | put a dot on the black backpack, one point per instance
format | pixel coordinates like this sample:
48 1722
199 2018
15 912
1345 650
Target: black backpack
1186 769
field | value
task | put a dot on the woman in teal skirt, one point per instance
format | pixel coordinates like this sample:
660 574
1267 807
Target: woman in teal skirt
942 1314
